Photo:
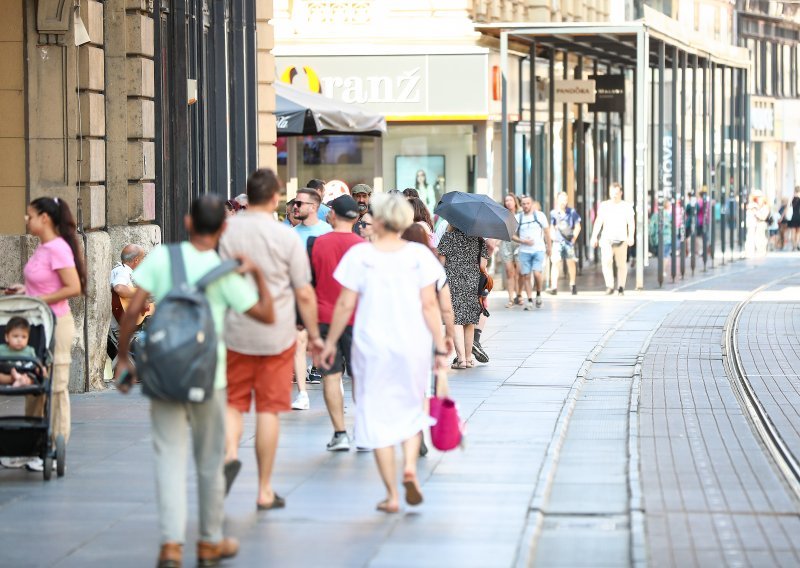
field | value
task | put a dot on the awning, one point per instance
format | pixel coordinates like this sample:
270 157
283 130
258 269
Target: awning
303 113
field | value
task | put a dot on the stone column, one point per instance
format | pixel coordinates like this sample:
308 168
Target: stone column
265 61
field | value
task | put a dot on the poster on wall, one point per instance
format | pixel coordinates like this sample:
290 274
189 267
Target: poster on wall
424 173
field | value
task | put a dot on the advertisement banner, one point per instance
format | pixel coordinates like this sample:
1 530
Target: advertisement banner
610 93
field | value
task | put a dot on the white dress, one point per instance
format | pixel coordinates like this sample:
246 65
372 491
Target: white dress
391 353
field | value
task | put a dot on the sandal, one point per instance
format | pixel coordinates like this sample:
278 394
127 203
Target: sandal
459 365
470 363
510 304
384 507
278 502
413 493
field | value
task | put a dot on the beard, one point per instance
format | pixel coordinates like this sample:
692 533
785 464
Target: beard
362 207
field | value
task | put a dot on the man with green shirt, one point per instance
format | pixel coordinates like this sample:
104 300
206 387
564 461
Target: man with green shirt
169 419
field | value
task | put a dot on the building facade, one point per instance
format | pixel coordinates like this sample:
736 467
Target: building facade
127 109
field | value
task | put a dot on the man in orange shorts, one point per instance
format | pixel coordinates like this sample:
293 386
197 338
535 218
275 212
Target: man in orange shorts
260 356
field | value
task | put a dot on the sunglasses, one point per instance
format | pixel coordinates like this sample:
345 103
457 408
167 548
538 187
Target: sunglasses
300 203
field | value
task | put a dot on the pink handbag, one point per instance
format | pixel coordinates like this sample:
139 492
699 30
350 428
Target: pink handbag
447 432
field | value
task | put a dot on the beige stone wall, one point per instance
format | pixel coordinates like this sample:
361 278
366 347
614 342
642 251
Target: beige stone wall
265 61
12 125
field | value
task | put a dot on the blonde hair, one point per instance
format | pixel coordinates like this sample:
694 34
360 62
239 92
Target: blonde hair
393 210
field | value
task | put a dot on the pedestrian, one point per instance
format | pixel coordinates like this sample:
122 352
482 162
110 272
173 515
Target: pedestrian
289 218
306 205
326 252
757 222
614 232
169 419
411 193
54 273
793 220
260 356
122 290
422 217
533 236
566 226
463 256
365 226
362 193
509 256
398 319
319 186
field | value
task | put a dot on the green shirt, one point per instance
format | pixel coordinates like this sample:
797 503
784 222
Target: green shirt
231 291
7 353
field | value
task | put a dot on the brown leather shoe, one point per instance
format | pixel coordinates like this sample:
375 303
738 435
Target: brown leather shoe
171 555
210 553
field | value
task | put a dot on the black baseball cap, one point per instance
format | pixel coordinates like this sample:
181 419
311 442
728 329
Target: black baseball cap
345 206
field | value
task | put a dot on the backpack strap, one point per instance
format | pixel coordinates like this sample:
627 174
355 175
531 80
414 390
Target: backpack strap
223 269
176 264
309 249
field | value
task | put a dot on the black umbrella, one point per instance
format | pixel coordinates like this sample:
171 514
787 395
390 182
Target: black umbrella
477 215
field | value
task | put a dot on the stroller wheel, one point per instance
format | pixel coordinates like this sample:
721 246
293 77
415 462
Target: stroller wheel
47 472
61 455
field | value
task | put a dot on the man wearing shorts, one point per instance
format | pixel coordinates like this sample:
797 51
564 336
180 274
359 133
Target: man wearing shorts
326 252
260 357
566 226
534 241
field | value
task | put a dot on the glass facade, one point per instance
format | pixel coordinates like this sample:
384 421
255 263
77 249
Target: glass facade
350 159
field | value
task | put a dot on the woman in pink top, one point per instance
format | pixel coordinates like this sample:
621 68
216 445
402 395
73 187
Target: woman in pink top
54 273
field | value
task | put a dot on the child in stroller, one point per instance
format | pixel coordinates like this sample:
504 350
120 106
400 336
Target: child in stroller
16 365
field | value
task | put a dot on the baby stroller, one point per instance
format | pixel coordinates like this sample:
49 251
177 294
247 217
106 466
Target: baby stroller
29 436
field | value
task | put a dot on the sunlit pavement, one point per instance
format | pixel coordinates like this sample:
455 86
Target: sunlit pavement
604 432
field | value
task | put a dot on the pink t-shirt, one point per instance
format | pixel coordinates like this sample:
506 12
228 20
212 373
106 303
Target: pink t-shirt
41 271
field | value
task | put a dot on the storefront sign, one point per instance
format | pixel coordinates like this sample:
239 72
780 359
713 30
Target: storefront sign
667 167
609 93
574 91
397 85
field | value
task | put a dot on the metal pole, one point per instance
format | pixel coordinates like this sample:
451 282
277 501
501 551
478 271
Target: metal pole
706 222
732 189
693 222
564 138
551 111
676 183
661 65
640 151
684 63
723 169
580 197
744 187
504 112
534 160
596 168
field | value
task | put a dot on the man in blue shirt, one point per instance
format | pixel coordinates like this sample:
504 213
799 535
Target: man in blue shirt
306 206
319 186
566 226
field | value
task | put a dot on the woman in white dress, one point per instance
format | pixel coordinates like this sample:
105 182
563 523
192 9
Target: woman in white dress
398 319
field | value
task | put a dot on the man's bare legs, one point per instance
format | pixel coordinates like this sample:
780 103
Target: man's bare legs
233 433
334 400
301 402
267 429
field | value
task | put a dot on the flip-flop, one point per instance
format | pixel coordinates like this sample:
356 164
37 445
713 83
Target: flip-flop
278 502
510 304
383 506
231 470
413 494
459 365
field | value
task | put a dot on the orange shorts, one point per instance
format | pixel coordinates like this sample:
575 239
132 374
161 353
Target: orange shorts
268 377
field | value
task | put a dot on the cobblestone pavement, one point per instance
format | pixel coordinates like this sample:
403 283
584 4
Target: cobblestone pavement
602 433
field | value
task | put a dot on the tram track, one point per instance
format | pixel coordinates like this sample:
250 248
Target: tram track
783 458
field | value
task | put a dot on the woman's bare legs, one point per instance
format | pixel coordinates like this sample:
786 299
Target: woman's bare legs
384 458
511 280
469 335
459 340
410 482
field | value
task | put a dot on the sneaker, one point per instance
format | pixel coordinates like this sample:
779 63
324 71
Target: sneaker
14 463
529 305
552 291
479 353
301 402
314 377
538 301
360 449
574 290
609 291
621 291
37 464
339 443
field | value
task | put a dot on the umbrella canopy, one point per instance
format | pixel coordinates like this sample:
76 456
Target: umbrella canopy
477 215
303 113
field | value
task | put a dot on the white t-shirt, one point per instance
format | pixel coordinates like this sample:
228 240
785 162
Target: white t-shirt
122 274
615 218
532 227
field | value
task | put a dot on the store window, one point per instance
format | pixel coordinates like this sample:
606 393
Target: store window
350 159
434 158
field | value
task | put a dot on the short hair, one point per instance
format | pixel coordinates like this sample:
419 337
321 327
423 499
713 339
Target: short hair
316 184
290 203
393 211
134 251
614 184
410 192
17 322
525 197
311 193
208 214
262 185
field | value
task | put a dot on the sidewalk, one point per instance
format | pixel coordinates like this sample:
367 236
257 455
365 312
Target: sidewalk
549 474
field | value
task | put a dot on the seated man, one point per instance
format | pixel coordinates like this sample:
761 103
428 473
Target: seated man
18 332
122 290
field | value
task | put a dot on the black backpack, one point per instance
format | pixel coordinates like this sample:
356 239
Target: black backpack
178 358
